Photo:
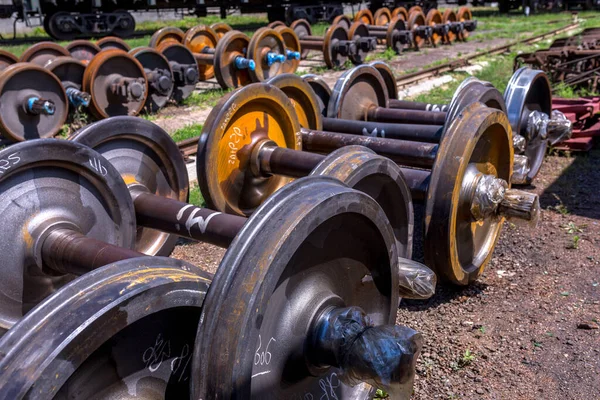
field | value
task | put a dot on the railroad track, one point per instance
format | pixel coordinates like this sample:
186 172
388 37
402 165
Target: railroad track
189 147
412 78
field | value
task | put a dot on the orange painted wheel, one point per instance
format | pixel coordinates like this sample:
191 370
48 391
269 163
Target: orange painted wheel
415 8
382 16
416 19
166 35
103 80
464 14
400 12
434 17
221 28
199 40
241 121
365 16
448 17
41 53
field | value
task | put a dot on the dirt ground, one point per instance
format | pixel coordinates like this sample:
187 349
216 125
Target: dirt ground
528 328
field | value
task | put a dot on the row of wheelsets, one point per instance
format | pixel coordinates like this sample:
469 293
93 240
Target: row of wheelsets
318 225
108 78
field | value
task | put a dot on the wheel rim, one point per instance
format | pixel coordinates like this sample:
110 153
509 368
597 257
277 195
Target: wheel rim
234 44
197 39
229 133
264 41
99 76
146 158
19 82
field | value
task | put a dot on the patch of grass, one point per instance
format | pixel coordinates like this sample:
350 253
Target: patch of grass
467 358
205 99
380 394
572 228
481 329
187 132
196 196
574 245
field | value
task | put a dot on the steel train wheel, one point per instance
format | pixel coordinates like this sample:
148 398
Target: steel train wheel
358 30
198 39
448 17
392 40
415 9
302 29
234 44
464 14
292 43
332 240
321 89
180 57
264 41
83 50
388 77
415 20
382 16
479 141
103 72
221 28
434 17
529 90
54 182
113 42
147 159
400 12
365 16
342 20
131 324
69 71
41 53
166 35
7 59
224 175
334 59
160 89
360 87
18 84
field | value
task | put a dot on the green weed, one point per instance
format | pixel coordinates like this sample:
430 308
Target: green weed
196 196
187 132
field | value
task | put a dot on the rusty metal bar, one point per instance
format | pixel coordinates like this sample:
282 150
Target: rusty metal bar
421 133
288 162
403 152
186 220
382 114
69 252
416 105
311 45
418 182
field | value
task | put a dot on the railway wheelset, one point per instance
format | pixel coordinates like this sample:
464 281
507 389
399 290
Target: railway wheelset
88 312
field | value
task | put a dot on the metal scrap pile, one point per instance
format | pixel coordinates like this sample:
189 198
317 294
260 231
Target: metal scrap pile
574 61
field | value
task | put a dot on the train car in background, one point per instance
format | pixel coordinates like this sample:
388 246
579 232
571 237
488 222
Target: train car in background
69 19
